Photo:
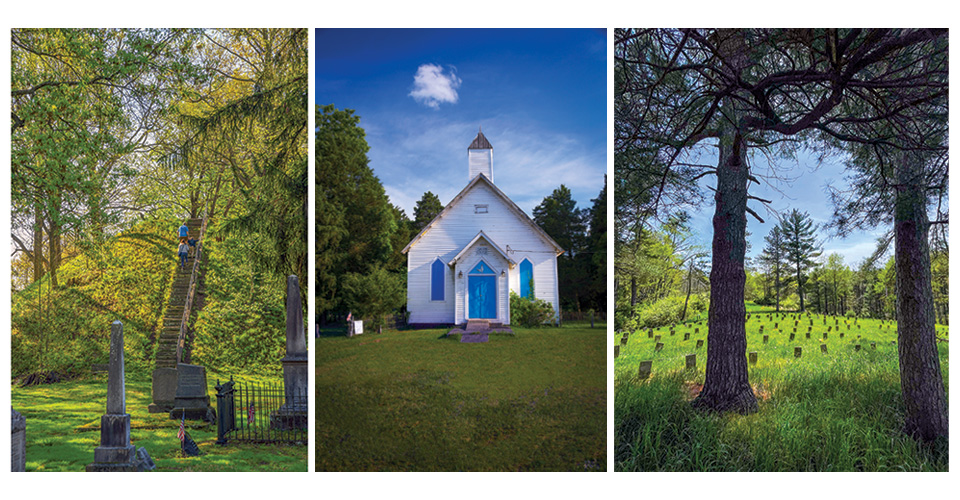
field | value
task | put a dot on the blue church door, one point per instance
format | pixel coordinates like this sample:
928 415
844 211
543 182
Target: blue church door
482 289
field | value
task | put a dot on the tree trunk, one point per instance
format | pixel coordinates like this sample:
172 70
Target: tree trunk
683 314
726 387
799 287
920 378
37 243
53 241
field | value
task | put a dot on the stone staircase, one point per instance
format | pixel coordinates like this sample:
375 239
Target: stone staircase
173 316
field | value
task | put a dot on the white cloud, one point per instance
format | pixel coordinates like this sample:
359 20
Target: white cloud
431 86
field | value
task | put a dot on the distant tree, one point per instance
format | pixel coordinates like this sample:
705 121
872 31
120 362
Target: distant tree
774 258
597 248
373 294
559 217
428 207
800 246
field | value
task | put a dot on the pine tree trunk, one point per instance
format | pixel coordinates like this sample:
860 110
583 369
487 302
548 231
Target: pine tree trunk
920 378
726 387
37 243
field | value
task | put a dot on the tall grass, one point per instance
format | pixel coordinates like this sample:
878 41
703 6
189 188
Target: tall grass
839 411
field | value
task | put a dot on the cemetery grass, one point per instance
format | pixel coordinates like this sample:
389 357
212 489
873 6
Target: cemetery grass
839 411
63 428
411 400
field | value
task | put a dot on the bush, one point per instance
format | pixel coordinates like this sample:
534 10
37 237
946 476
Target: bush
530 312
666 311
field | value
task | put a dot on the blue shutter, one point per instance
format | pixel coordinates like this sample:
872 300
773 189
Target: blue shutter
526 277
436 280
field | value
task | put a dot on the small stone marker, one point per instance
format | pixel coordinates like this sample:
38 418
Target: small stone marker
616 351
792 336
856 347
658 347
766 338
657 339
646 368
873 345
841 334
623 340
672 332
699 343
776 325
18 442
686 336
696 331
650 333
797 351
691 361
823 348
825 335
753 357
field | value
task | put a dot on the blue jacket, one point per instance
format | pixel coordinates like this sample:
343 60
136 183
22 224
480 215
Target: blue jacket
184 230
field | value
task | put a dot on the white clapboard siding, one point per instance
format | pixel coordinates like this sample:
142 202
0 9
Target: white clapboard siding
453 230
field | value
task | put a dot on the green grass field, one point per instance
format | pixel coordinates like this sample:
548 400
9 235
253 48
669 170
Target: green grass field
411 400
839 411
63 428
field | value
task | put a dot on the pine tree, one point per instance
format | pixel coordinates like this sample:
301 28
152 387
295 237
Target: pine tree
801 247
427 208
774 258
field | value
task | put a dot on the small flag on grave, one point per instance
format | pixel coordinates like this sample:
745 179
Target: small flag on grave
251 414
182 432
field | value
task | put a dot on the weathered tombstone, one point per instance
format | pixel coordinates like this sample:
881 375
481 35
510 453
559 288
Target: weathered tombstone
823 348
650 333
856 347
776 325
766 338
873 345
616 351
646 368
691 361
793 336
293 413
696 330
656 339
115 453
841 334
753 357
797 351
623 340
192 401
808 334
699 343
825 335
658 347
672 332
18 442
686 336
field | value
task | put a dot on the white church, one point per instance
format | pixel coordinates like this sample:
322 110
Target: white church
464 263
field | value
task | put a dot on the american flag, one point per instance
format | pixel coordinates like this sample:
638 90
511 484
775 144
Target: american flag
251 414
182 433
349 316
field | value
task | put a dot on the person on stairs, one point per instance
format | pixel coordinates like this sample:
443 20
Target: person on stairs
182 252
184 231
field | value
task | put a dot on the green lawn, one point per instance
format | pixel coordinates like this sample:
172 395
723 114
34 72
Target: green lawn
63 423
411 400
839 411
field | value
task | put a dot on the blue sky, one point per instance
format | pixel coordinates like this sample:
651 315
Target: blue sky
422 95
799 183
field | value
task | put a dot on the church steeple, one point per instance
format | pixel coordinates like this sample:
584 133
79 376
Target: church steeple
480 157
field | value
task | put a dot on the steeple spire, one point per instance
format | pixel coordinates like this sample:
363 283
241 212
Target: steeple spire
480 157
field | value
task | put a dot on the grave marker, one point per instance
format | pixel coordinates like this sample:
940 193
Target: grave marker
18 442
293 413
646 368
797 351
658 347
823 348
699 343
691 361
766 338
753 357
616 351
686 336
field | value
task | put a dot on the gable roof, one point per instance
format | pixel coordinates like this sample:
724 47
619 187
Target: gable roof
490 242
510 205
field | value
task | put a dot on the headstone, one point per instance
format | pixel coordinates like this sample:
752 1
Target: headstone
646 368
650 333
115 453
766 338
797 351
616 351
657 339
18 442
686 336
873 345
658 347
825 335
164 390
696 331
823 348
623 340
856 347
793 336
841 334
753 357
293 413
808 334
691 361
699 343
192 401
672 332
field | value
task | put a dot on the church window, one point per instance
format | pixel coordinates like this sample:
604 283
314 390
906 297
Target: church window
436 280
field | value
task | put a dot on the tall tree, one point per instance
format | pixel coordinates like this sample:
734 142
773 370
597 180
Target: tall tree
560 218
427 208
774 258
800 246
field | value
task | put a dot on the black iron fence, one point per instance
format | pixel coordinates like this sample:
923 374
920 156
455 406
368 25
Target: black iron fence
260 413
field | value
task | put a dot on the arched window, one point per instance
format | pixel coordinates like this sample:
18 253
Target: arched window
526 279
436 280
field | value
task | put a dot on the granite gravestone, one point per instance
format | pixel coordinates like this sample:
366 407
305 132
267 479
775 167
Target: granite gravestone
18 442
115 453
192 401
293 413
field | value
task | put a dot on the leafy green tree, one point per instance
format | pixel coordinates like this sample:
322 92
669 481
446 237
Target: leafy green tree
427 208
560 218
373 294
